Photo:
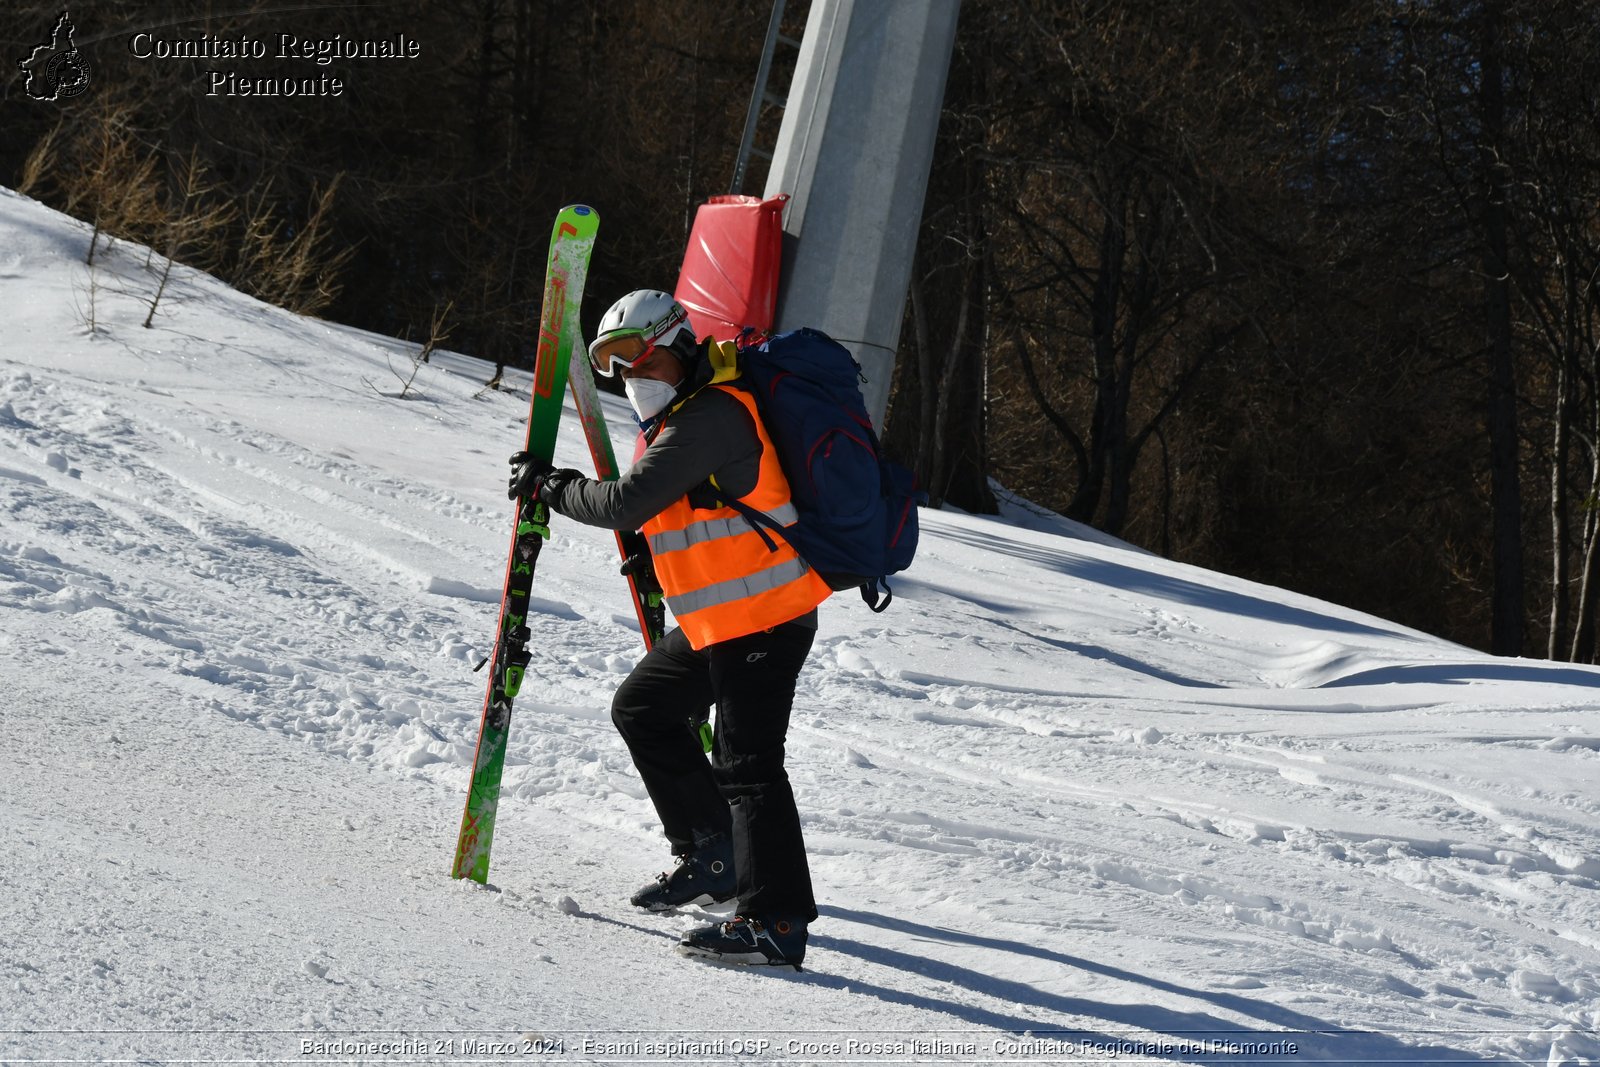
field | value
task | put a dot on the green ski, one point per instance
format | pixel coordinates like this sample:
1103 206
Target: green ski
571 241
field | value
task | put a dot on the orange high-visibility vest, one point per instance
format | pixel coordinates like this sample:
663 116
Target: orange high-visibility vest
718 573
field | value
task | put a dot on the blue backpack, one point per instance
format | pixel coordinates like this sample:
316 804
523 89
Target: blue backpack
858 510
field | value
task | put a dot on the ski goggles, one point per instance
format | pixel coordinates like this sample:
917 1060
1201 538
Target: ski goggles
620 348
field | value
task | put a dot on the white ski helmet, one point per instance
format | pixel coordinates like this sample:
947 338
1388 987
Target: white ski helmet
635 324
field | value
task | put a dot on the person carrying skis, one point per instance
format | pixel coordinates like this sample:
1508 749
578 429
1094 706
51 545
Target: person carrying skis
745 604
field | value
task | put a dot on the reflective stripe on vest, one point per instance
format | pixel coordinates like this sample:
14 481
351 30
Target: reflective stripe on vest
740 588
699 533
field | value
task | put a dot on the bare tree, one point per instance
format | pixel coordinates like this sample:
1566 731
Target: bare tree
197 223
294 265
1113 219
106 173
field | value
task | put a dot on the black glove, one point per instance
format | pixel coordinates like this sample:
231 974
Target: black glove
527 470
536 479
553 484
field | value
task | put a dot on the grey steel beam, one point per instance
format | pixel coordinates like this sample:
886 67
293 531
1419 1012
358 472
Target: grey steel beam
854 152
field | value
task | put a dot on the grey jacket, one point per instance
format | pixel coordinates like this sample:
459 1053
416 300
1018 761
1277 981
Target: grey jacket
711 434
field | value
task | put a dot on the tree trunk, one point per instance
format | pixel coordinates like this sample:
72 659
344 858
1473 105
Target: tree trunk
1506 628
1588 592
1105 299
939 470
483 120
1559 449
1583 627
922 465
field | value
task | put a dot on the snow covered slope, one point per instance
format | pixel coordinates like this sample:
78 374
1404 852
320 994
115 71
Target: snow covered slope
1064 799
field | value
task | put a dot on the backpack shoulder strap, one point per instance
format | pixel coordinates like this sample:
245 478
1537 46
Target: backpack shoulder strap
724 357
758 522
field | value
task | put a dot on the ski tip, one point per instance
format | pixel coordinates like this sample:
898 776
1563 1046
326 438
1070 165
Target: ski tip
576 220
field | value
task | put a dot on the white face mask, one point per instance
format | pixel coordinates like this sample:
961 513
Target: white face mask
649 396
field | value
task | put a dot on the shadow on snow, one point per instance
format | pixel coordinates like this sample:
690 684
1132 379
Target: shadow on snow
1187 1031
1168 587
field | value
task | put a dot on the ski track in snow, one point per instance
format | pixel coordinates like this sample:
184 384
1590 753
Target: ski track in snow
1062 785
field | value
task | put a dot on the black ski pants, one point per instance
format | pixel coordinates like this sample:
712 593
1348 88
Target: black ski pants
744 791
